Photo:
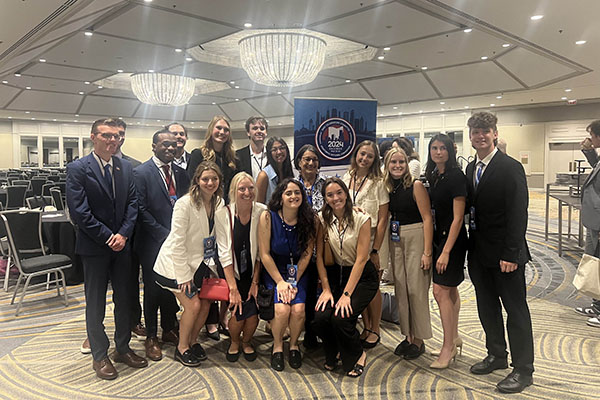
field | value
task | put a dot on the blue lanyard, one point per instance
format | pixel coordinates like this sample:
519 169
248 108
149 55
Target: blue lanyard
309 195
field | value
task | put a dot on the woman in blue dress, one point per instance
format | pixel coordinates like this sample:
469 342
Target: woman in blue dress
286 240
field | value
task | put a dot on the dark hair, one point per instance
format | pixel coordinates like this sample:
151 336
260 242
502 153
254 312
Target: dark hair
158 133
104 121
483 120
120 123
286 168
430 173
177 123
305 226
594 128
384 147
407 145
375 169
327 212
254 120
300 154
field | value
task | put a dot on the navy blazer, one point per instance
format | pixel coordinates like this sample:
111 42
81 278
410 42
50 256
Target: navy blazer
500 203
155 209
91 207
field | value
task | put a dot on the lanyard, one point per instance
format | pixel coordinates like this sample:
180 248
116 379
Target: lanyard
260 165
356 191
287 239
309 195
341 236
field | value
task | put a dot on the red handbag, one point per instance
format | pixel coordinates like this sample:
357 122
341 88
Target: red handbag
214 289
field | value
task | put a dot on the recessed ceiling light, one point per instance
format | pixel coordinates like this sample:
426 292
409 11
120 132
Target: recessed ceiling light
568 90
468 30
138 122
381 115
100 87
75 120
279 123
348 81
192 122
17 74
492 105
484 57
278 92
77 115
9 117
380 57
119 70
247 25
232 82
213 103
54 119
395 107
42 60
420 111
506 45
88 33
237 99
442 109
563 98
236 86
33 118
400 113
442 102
536 17
86 83
195 94
120 117
81 93
466 106
148 1
188 59
28 87
178 50
581 42
151 70
387 48
158 120
498 97
423 68
5 82
27 112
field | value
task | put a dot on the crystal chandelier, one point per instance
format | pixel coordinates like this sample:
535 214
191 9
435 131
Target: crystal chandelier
162 89
282 58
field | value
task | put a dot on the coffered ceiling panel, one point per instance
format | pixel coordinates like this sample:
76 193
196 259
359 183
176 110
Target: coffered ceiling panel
65 72
43 101
266 14
55 85
162 27
272 106
109 53
395 22
238 94
349 91
239 110
208 99
164 114
365 69
115 93
401 88
110 106
208 71
201 112
7 93
471 79
532 68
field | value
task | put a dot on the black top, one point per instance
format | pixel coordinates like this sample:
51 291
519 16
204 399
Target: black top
403 206
442 191
241 241
196 158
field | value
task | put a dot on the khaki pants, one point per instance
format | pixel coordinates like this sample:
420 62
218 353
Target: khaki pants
411 282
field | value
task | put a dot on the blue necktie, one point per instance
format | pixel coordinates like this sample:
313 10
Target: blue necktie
478 173
108 179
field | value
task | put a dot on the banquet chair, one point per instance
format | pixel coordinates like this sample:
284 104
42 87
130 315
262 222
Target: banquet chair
15 197
24 232
38 202
36 185
57 200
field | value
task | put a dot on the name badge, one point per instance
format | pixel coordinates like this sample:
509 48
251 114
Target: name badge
472 225
433 217
395 231
173 200
209 247
292 273
243 260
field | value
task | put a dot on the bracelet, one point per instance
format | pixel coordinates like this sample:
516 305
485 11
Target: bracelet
427 255
254 283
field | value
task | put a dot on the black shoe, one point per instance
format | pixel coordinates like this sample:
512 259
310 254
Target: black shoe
250 356
401 348
370 345
214 335
232 357
277 361
413 351
187 358
515 382
489 364
199 351
295 359
223 330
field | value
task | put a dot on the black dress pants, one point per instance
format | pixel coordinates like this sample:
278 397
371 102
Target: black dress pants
98 270
311 299
339 334
491 287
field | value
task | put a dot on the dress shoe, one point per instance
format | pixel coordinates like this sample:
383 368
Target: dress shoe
153 350
199 352
458 342
277 361
437 364
369 345
104 369
515 382
171 337
85 347
214 335
401 348
138 332
232 357
187 358
252 355
489 364
131 359
295 359
413 351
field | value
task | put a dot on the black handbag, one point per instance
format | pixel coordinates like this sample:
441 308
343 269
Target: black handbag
266 303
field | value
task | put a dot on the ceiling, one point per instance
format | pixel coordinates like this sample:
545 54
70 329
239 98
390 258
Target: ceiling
432 64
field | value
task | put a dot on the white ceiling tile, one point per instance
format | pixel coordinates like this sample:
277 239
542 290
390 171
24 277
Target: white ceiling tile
109 106
366 69
7 93
238 94
349 91
272 106
65 72
165 114
532 68
201 112
43 101
208 99
238 111
482 77
208 71
115 93
403 88
55 85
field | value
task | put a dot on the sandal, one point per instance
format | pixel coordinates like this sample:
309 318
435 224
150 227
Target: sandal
329 367
356 371
370 345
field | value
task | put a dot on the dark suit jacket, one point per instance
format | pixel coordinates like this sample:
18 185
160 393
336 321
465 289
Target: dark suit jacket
590 194
196 158
91 206
134 163
500 202
155 209
244 159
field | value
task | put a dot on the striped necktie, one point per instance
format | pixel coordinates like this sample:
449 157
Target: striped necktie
479 172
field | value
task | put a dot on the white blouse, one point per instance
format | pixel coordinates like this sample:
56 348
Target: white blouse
344 240
370 197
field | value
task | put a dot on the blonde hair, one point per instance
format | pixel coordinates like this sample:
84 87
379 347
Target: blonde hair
375 169
208 149
407 179
196 193
240 176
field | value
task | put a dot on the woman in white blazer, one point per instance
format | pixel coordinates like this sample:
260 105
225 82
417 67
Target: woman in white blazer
188 254
237 240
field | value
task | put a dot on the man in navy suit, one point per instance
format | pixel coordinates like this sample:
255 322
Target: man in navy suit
182 157
103 205
159 183
498 252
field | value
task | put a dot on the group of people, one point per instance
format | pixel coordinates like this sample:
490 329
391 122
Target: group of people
317 245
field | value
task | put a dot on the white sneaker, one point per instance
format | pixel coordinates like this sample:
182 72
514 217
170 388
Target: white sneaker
587 311
595 322
85 347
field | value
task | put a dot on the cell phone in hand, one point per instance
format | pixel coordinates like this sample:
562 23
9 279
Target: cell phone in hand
192 291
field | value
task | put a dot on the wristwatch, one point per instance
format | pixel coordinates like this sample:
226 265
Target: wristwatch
346 294
374 251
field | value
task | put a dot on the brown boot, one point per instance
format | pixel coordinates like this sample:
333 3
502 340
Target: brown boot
153 350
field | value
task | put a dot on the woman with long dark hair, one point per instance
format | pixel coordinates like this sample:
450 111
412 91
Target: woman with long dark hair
350 284
279 168
286 240
448 193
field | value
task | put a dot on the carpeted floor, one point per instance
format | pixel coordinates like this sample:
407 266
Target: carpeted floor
40 358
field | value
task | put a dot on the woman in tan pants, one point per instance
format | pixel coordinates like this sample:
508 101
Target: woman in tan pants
411 232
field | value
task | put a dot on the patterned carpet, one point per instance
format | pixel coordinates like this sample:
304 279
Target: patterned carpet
40 358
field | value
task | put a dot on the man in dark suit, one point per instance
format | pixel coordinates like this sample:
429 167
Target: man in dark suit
498 253
252 158
118 153
159 183
103 205
181 156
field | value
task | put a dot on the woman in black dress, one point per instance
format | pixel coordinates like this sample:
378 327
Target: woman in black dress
448 191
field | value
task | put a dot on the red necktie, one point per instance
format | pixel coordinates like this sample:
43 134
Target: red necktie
169 180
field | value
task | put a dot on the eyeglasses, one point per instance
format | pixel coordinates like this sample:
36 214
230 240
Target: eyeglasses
109 136
277 149
308 160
